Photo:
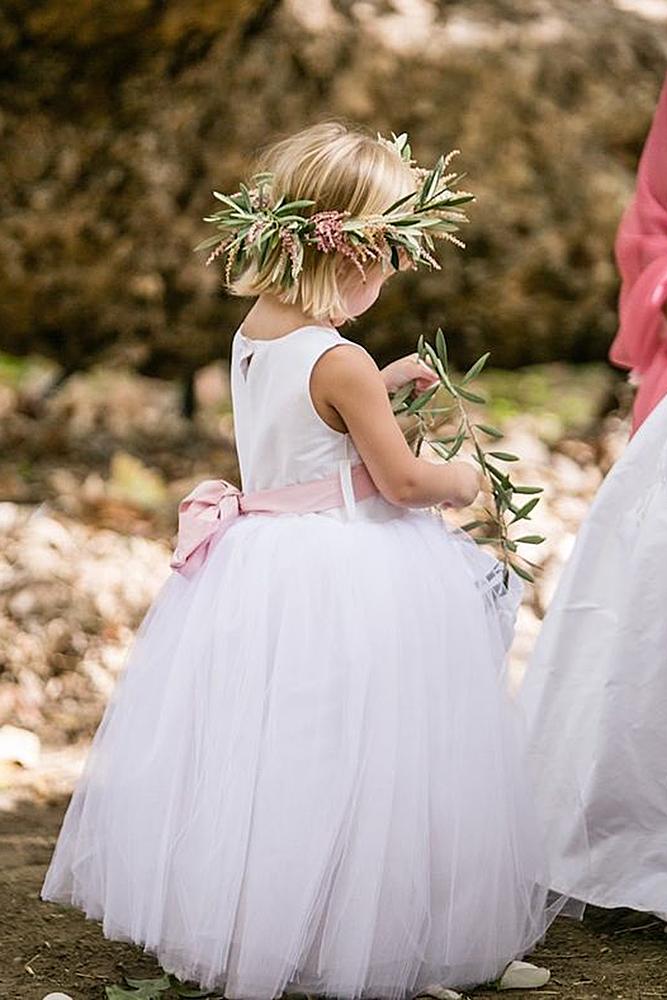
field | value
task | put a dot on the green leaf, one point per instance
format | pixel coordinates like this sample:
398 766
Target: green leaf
211 241
397 204
431 182
504 456
531 539
441 347
486 540
474 371
144 991
480 456
524 511
290 206
420 402
226 200
183 990
439 449
498 474
529 489
438 366
472 397
245 197
491 431
460 199
523 573
420 346
140 989
401 396
161 984
471 525
456 447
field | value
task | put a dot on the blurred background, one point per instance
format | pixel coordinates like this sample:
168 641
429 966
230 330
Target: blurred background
117 121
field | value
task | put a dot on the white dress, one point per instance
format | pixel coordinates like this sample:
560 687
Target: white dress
595 692
310 772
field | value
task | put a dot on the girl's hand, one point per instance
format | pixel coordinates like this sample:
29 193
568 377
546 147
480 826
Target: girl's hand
408 369
466 482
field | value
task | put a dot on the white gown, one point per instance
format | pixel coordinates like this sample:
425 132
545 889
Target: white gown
310 772
595 692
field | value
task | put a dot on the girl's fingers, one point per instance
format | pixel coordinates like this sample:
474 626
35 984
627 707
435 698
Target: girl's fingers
424 378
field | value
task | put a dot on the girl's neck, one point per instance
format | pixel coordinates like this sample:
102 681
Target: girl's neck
269 318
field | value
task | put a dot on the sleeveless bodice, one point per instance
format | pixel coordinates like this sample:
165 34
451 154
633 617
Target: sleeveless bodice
280 437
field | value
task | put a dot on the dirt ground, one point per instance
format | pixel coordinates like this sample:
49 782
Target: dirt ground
612 954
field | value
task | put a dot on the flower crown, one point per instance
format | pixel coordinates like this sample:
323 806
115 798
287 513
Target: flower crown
252 229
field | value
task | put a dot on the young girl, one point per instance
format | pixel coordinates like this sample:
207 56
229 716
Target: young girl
309 775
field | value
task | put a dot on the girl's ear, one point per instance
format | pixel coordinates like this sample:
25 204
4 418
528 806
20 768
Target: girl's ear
360 293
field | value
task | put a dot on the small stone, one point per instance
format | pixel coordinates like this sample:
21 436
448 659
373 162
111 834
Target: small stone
19 746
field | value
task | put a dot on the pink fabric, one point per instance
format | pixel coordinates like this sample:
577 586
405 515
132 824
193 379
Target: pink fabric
641 253
213 506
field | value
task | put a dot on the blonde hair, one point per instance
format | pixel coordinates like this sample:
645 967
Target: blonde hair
341 168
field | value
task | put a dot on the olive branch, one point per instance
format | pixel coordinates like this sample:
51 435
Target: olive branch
494 523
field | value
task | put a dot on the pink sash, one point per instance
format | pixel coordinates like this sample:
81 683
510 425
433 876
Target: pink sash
213 506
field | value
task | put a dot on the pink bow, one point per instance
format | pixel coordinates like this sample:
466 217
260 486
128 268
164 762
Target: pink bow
215 504
207 511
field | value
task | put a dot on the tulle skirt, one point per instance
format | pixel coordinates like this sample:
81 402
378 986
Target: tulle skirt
310 773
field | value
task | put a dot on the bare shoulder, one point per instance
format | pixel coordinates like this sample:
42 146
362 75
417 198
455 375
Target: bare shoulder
346 365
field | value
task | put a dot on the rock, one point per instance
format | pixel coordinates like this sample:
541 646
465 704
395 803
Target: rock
19 746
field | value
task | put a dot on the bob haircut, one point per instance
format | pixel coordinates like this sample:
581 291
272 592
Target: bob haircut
341 168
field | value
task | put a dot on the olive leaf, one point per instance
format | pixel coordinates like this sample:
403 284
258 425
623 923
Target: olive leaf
141 989
474 371
494 527
155 989
491 431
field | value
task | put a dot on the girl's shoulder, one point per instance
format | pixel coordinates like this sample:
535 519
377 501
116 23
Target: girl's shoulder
307 340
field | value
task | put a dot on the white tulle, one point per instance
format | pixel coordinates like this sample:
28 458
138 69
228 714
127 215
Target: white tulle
309 771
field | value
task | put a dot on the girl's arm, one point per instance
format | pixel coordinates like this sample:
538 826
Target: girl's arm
346 384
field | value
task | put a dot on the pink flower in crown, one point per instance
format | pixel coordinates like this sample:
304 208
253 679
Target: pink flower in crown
290 246
329 233
256 229
220 249
330 237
